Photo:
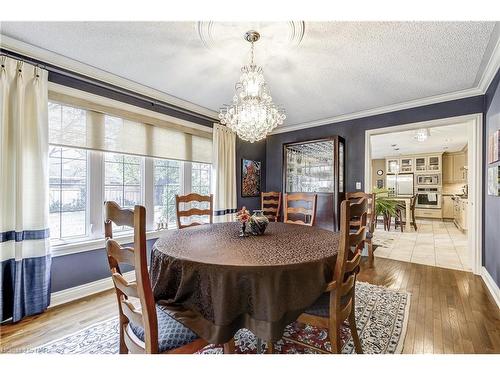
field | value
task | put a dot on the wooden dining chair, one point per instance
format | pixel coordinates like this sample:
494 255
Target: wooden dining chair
147 328
193 197
307 209
337 304
270 204
371 220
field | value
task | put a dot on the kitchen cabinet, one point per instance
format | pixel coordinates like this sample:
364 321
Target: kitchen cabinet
447 206
431 213
421 164
455 167
460 207
431 163
406 165
459 172
434 163
447 169
392 166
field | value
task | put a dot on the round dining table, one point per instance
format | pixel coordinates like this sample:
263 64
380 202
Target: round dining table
216 282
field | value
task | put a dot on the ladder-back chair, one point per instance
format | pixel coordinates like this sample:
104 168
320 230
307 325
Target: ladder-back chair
338 302
307 208
147 328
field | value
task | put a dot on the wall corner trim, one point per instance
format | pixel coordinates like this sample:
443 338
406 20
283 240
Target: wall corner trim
491 285
81 291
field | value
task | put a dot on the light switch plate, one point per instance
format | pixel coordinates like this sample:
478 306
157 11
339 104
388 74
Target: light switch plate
358 185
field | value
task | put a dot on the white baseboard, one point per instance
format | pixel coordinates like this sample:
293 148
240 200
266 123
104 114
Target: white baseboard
80 291
491 285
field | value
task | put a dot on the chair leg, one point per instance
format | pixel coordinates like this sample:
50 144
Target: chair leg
229 347
123 346
370 249
334 333
270 348
354 331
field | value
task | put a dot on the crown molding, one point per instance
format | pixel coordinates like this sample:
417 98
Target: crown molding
75 66
72 65
491 68
487 77
381 110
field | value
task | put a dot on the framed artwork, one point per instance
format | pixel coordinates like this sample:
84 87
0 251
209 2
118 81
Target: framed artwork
494 180
250 178
380 184
494 147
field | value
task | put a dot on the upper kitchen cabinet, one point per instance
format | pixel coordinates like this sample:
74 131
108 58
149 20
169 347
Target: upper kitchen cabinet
406 165
455 167
392 166
421 164
431 163
434 163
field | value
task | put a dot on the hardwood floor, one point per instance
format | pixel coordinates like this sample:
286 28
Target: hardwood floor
451 311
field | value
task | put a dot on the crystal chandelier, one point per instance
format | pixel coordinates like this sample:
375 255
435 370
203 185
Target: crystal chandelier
253 114
421 135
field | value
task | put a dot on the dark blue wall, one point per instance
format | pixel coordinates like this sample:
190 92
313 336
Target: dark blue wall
353 132
81 268
251 151
491 248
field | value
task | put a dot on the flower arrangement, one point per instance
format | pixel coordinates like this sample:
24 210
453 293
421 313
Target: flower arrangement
243 216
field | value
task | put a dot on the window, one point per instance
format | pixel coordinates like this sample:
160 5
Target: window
122 181
200 178
86 170
68 192
167 183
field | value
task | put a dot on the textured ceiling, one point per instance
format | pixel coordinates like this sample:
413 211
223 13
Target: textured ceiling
333 69
441 138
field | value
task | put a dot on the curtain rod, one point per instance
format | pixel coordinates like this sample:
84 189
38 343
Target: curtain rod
101 84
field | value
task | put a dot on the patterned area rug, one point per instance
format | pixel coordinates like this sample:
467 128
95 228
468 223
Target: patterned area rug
381 317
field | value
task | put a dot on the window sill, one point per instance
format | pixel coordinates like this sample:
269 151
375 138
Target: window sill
89 245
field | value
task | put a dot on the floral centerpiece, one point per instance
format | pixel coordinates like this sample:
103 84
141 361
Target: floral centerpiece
243 216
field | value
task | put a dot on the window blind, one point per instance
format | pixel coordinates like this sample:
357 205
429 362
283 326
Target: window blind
87 129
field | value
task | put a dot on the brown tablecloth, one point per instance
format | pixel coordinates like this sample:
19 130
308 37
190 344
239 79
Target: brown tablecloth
227 282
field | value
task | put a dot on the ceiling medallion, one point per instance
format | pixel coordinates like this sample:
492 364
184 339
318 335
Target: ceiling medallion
218 36
253 114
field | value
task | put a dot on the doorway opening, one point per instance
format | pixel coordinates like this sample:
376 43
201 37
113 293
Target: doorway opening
428 176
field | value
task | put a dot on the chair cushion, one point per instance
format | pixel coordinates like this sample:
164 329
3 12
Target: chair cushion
322 305
171 333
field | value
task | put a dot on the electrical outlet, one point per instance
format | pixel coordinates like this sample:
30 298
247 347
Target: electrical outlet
358 185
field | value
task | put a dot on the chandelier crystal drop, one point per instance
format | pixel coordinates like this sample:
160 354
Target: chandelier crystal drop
252 115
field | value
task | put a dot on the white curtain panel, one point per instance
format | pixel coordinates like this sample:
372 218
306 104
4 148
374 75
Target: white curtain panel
24 219
224 169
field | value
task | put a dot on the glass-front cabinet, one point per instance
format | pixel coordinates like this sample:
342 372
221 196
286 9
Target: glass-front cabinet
406 165
392 166
420 164
434 163
317 166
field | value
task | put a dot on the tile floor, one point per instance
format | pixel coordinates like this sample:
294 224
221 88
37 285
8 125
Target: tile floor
436 243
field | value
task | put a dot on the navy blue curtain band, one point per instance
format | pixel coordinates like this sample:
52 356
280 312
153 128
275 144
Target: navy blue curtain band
12 235
225 212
